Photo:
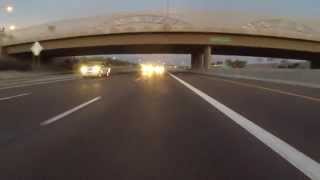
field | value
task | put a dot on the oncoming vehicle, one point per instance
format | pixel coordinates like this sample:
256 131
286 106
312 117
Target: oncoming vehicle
150 70
95 69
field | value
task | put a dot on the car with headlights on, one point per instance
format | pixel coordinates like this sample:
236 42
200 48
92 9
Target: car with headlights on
95 69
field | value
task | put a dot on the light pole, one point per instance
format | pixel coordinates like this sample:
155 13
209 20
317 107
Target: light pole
167 8
12 27
8 9
167 16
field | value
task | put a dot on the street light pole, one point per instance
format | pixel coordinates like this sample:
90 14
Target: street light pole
167 8
8 9
167 16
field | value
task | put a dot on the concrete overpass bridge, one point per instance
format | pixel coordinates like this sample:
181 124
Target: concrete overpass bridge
178 34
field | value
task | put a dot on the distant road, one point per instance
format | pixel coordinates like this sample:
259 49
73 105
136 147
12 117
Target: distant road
179 126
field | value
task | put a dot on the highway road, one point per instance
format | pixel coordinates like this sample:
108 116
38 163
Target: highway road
177 126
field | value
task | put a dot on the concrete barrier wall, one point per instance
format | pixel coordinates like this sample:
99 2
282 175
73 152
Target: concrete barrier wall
310 78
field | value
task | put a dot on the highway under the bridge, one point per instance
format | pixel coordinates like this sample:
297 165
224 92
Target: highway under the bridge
169 127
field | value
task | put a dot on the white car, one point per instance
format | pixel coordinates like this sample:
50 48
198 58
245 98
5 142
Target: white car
95 70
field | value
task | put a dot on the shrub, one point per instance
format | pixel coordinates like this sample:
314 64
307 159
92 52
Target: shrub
236 63
13 64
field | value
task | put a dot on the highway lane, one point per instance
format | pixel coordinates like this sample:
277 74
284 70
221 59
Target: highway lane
293 118
140 128
23 114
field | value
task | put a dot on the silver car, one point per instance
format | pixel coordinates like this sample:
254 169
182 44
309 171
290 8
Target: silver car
95 70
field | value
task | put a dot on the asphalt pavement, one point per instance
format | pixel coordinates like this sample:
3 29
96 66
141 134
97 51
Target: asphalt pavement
180 126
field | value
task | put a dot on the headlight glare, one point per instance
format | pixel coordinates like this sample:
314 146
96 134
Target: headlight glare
96 69
84 69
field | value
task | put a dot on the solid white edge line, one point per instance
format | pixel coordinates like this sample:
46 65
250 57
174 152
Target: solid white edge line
67 113
34 84
305 164
16 96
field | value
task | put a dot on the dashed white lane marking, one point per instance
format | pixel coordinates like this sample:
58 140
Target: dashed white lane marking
305 164
67 113
8 81
39 83
15 96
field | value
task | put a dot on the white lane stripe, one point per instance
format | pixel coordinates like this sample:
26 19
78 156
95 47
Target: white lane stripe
67 113
34 84
16 96
33 81
29 80
305 164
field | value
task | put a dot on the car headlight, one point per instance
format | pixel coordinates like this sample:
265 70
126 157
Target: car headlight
159 69
84 69
96 69
147 69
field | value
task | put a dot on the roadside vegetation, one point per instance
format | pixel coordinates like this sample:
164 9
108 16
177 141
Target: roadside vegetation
236 63
13 64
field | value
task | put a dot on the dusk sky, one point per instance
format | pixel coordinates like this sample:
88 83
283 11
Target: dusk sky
30 12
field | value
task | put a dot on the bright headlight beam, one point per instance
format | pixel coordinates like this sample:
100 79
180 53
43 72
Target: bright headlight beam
151 69
96 69
146 68
159 69
84 69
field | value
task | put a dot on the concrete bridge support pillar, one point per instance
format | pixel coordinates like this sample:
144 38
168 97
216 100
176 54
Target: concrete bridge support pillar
206 58
196 61
193 61
3 53
201 59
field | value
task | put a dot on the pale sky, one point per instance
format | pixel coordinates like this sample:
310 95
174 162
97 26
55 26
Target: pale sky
30 12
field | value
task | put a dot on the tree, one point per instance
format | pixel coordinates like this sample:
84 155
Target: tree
51 28
236 64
